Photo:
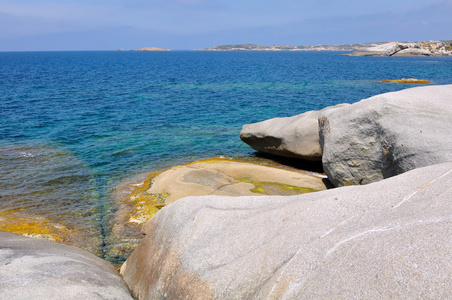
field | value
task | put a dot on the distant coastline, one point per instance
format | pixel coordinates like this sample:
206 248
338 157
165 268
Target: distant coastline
423 48
253 47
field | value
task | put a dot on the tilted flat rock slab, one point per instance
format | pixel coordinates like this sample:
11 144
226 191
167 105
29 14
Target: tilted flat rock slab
295 137
386 240
41 269
231 178
214 176
387 134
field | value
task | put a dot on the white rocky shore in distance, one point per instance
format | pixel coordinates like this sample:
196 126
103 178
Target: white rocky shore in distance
423 48
426 48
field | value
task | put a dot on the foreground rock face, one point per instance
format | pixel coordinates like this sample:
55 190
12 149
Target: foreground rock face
41 269
295 137
389 239
426 48
387 134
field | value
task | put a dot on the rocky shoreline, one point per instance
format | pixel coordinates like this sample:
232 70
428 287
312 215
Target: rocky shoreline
422 48
383 232
426 48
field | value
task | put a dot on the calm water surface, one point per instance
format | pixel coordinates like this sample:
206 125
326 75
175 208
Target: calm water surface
74 125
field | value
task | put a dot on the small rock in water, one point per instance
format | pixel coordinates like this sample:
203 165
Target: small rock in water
407 80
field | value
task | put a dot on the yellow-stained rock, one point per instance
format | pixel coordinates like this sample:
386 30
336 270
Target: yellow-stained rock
408 80
35 226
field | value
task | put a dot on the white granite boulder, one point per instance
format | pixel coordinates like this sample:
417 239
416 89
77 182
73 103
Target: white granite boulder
294 137
41 269
386 240
387 134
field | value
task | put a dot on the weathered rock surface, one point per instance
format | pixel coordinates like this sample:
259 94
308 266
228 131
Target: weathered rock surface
387 134
386 240
425 48
41 269
295 137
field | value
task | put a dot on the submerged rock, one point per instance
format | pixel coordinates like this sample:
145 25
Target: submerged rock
389 239
387 135
42 269
295 137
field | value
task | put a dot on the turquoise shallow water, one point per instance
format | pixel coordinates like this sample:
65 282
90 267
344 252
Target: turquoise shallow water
73 125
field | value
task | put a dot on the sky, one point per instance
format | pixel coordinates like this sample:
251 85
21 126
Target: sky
51 25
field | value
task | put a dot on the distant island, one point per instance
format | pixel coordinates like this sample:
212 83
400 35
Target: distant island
424 48
153 49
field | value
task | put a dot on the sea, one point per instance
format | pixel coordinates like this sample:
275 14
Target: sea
76 126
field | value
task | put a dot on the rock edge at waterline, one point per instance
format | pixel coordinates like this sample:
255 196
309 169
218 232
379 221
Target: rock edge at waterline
44 270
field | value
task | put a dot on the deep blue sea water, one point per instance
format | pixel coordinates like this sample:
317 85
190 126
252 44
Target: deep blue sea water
73 125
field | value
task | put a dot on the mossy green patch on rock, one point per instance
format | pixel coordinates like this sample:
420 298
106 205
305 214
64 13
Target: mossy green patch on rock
275 188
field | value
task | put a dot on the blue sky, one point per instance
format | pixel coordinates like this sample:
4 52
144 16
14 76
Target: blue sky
36 25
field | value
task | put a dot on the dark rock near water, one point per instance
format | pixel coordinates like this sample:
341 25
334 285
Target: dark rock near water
386 240
41 269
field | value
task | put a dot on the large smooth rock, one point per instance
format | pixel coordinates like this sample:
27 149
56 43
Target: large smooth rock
41 269
295 137
387 134
386 240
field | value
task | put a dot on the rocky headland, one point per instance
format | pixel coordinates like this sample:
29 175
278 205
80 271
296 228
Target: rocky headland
222 229
426 48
